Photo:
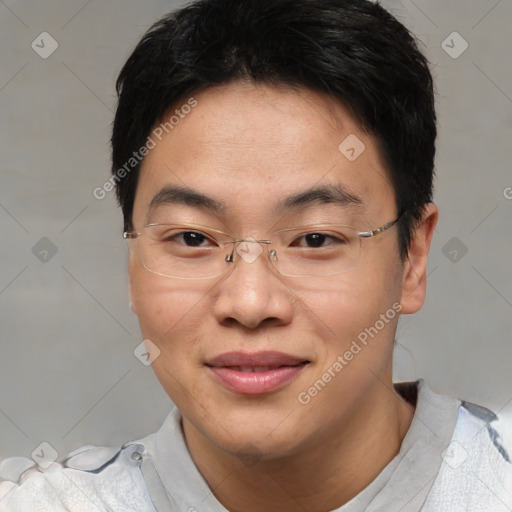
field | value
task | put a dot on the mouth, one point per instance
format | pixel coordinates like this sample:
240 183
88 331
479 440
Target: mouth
257 373
258 369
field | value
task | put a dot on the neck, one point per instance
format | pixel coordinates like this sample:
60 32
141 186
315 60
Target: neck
325 476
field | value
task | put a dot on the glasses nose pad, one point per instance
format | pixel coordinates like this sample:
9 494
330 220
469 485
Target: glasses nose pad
273 256
249 249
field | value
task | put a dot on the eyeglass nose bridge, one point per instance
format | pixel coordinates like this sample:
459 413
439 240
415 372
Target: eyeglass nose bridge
249 258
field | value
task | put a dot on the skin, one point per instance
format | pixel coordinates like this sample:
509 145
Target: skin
249 146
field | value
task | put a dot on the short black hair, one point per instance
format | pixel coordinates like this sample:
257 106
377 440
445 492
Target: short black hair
352 50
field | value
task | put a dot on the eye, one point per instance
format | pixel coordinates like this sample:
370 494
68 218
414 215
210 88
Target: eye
316 240
188 238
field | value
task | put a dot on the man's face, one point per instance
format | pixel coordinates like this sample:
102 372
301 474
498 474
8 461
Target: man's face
250 148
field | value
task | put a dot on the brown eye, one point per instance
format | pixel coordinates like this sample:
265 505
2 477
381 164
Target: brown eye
317 240
188 238
193 239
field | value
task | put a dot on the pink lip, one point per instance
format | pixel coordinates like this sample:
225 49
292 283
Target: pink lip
227 368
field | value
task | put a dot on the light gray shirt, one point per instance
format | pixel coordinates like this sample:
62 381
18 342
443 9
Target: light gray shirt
402 485
451 459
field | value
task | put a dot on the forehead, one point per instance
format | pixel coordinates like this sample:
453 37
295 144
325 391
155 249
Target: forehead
250 147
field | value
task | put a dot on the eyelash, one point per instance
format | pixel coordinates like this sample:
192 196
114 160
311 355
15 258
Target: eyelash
171 238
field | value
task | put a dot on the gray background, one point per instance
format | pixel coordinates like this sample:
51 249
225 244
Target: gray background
68 374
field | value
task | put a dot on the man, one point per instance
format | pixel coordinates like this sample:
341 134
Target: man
274 163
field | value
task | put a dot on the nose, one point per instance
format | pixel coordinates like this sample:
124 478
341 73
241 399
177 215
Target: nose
252 294
249 249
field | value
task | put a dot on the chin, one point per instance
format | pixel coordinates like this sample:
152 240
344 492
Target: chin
265 436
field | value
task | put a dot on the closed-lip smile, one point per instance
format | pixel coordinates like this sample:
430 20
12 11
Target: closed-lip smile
255 373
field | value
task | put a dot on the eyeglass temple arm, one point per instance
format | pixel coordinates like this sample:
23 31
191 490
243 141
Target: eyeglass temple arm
368 234
130 235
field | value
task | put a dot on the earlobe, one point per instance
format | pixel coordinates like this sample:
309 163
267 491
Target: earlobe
414 284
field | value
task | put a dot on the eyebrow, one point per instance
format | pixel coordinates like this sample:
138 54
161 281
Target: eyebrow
323 194
171 194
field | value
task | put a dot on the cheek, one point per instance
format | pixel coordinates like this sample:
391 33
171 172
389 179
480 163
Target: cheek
166 308
348 309
346 305
169 313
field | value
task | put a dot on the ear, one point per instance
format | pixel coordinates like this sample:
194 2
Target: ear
414 282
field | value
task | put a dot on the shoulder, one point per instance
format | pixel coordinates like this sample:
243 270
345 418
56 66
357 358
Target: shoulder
476 469
493 431
90 478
